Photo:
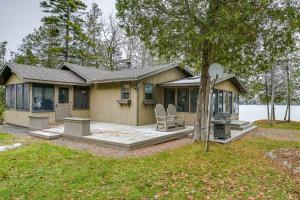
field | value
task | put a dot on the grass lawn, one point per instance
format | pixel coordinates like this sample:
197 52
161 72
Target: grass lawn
279 124
239 170
6 138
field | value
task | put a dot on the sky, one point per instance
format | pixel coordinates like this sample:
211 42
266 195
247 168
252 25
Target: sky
18 18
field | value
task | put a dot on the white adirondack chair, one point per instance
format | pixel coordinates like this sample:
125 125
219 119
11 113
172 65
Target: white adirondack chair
177 118
163 122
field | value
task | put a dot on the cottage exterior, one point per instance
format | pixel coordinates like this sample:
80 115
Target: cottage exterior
127 96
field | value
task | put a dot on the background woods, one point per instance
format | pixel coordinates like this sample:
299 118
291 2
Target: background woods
70 32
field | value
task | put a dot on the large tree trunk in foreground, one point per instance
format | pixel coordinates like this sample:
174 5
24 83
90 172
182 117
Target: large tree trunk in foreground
201 125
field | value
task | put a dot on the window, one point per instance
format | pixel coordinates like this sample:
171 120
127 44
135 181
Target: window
63 95
183 100
17 96
169 96
194 97
81 98
125 91
149 94
42 98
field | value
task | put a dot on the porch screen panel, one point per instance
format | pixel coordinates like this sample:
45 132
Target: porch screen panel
225 102
169 96
215 101
26 97
183 100
194 96
7 96
13 96
43 98
230 102
81 98
235 103
220 101
19 96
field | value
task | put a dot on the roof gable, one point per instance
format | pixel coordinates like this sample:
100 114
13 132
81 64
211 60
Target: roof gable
39 74
93 75
195 81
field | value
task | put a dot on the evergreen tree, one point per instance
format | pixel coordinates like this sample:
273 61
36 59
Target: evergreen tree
233 33
2 53
64 18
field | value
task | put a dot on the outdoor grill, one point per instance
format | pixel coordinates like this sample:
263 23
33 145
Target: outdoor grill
222 126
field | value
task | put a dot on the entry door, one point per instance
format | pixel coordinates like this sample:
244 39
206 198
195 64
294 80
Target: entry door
63 106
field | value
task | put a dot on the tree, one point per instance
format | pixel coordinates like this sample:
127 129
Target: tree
112 35
2 53
202 32
94 27
39 48
64 19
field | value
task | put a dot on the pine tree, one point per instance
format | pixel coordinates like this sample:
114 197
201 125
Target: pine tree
2 53
64 18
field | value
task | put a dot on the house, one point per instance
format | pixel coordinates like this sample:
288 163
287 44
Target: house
127 96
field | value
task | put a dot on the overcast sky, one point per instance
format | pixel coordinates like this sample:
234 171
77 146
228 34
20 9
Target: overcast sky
19 18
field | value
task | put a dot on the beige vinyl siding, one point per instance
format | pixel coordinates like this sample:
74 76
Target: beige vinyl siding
146 112
104 105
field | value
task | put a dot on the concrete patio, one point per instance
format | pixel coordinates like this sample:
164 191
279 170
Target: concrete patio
132 137
118 135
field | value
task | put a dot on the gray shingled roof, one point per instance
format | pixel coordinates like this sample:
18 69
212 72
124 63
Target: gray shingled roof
195 81
37 74
93 75
77 74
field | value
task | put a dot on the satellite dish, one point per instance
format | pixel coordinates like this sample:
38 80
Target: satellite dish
215 70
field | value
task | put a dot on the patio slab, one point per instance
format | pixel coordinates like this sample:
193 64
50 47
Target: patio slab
125 136
235 134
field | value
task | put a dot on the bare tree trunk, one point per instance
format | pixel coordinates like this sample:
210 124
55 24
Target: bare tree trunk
203 99
67 37
267 95
289 92
272 96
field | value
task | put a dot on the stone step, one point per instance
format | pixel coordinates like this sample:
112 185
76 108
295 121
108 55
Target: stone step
44 135
244 127
237 123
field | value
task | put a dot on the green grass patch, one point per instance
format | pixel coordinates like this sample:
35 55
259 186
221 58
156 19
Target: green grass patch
6 138
236 171
279 124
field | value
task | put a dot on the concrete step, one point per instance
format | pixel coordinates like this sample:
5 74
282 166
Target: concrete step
239 123
243 127
44 135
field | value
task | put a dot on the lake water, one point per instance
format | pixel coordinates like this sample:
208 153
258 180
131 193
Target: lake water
255 112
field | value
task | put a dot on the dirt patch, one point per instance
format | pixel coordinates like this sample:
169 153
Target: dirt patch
279 134
288 158
119 153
